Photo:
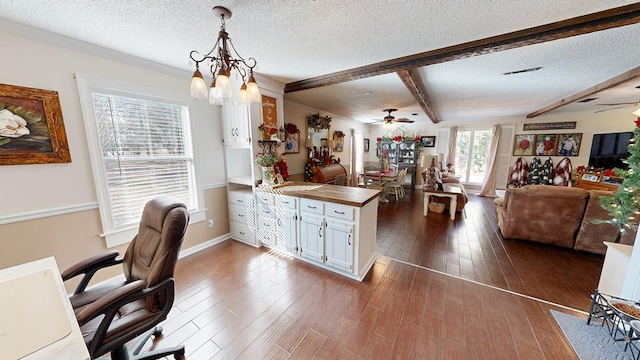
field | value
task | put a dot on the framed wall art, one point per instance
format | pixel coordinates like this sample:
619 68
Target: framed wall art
366 145
523 145
338 141
568 144
292 142
31 127
428 141
545 145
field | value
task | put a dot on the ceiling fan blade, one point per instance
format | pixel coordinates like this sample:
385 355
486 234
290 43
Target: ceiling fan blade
617 104
403 120
619 107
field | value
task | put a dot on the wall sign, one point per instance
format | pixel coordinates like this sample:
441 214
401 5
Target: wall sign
269 111
550 126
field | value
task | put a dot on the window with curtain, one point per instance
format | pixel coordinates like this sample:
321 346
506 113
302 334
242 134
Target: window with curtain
472 149
143 150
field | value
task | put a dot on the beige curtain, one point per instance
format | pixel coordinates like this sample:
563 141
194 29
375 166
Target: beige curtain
453 138
489 181
357 155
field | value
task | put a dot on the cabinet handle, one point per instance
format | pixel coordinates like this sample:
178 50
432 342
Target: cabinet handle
242 232
349 239
240 201
285 202
279 222
241 215
338 212
311 207
319 232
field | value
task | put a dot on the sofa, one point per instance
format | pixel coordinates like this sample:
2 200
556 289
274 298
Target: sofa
556 215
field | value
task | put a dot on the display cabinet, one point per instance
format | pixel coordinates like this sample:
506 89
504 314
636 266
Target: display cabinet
403 154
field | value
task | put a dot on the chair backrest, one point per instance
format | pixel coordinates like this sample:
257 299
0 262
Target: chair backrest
402 175
393 166
153 253
340 179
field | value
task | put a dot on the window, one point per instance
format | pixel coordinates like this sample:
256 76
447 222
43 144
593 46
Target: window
140 148
472 149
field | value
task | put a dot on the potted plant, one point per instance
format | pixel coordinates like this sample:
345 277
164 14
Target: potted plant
266 162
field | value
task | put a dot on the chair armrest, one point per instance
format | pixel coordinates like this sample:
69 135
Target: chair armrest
101 305
89 267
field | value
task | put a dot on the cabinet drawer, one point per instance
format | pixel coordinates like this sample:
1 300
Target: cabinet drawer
265 197
285 201
241 232
238 213
312 206
240 197
340 211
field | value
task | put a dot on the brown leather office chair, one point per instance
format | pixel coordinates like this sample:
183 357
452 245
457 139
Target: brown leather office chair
112 314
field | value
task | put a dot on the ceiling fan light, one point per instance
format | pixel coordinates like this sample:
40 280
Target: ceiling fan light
198 86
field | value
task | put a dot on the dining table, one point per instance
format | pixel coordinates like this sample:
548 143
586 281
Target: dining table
379 178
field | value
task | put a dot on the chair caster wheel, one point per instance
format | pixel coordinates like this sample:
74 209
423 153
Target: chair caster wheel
179 355
158 331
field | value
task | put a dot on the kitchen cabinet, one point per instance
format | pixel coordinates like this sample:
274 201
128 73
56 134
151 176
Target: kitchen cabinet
241 205
236 125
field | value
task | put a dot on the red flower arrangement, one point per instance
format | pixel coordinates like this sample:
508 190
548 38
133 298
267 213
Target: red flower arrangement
397 138
609 172
290 128
378 139
339 133
637 121
273 130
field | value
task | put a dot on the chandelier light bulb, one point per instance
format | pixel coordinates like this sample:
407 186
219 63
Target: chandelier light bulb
252 89
198 86
215 98
243 96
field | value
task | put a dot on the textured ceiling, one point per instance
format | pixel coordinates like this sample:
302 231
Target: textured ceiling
296 40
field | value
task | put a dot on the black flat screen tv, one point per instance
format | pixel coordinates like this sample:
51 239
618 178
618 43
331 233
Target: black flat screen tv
609 150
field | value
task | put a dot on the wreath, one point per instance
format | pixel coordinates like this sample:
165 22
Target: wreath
419 144
317 122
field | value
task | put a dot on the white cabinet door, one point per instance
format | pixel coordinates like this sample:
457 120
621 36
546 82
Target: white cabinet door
287 230
236 130
339 244
312 236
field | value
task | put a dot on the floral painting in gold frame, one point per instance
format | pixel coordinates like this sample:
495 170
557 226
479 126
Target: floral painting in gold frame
31 127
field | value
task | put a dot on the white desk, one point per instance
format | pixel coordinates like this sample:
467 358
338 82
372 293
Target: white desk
451 192
37 321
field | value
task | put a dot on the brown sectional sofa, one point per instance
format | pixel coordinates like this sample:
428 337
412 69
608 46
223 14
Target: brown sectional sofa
556 215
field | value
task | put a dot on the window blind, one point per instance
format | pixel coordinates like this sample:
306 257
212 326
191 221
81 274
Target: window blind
146 151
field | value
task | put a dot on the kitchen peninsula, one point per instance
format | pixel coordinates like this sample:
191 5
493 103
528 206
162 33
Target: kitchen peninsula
330 226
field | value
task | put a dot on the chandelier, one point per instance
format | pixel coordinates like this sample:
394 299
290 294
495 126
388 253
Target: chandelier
222 59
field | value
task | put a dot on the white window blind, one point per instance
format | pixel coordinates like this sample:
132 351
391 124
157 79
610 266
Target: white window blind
146 152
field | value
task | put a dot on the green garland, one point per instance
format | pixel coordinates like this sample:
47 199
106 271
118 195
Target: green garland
624 203
317 122
419 144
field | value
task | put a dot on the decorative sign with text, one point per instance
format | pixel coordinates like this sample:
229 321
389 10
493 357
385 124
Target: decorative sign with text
269 112
550 126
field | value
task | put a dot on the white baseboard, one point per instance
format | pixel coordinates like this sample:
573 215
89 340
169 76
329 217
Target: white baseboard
204 245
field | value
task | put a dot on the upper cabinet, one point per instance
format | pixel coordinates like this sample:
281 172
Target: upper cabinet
236 125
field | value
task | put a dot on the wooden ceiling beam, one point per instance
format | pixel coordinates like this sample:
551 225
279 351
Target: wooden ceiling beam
603 20
418 93
616 80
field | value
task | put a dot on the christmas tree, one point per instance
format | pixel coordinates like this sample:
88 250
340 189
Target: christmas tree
623 204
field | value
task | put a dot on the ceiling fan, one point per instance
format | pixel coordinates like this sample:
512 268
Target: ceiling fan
618 106
390 119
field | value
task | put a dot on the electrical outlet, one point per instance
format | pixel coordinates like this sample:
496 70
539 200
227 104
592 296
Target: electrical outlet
210 222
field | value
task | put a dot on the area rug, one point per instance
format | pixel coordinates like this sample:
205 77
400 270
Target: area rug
590 342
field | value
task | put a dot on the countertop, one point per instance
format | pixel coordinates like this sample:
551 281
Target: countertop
346 195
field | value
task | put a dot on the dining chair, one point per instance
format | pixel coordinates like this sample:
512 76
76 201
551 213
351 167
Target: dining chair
395 187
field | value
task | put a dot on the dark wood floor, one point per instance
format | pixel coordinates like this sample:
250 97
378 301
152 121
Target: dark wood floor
237 302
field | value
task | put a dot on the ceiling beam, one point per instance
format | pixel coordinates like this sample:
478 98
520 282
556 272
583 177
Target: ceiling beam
603 20
418 93
616 80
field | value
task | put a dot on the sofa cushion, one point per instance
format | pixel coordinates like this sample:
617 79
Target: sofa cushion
591 236
542 213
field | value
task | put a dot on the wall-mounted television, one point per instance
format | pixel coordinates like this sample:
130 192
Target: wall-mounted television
609 150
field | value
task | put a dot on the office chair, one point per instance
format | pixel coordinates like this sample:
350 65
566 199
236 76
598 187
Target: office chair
112 314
